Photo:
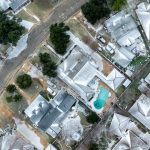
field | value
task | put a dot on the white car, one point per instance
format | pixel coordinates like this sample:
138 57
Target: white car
101 39
51 91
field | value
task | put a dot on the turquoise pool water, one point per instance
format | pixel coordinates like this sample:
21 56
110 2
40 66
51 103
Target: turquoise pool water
102 98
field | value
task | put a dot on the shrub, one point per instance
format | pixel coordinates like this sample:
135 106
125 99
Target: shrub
24 81
11 88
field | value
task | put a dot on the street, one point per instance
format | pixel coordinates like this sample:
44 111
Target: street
37 35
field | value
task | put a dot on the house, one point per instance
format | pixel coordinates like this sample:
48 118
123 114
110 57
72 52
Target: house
14 5
119 124
48 116
124 31
141 110
131 141
83 72
121 27
143 13
144 87
147 79
123 57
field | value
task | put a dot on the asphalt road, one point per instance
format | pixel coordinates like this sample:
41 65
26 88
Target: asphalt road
63 11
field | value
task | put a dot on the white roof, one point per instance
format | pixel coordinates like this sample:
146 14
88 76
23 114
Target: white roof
141 110
147 79
143 13
122 28
131 142
129 38
119 124
51 147
127 82
4 4
80 68
123 57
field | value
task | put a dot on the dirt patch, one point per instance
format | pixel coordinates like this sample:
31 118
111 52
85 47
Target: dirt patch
5 110
43 138
107 67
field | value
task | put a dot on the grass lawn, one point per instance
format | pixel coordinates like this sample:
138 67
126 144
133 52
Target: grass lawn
40 8
15 107
132 93
77 28
43 49
23 15
138 61
34 90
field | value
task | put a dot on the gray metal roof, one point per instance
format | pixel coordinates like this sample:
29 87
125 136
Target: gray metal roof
37 109
17 4
67 103
49 119
44 114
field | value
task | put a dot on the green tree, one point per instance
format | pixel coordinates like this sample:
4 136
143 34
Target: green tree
103 143
44 58
59 38
17 97
93 146
9 99
24 81
11 88
10 30
49 67
92 118
95 10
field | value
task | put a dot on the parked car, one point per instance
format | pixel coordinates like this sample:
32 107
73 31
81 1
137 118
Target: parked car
101 39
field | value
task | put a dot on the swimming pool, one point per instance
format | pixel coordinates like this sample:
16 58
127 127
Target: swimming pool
102 97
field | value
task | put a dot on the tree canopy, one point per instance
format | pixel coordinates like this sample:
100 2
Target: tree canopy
10 30
11 88
93 146
24 81
13 94
59 38
49 67
92 118
95 10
